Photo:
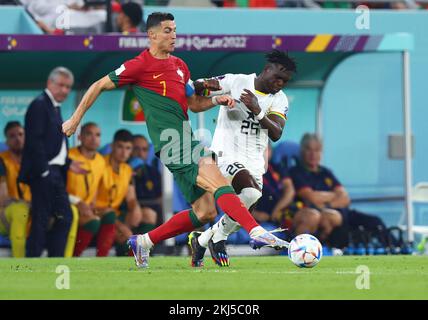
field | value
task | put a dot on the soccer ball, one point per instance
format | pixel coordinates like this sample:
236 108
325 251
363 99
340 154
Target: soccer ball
305 251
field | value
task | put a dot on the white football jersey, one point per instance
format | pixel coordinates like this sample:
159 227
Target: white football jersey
238 133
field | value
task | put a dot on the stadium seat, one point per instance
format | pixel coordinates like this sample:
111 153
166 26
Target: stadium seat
4 242
151 154
242 237
106 149
286 154
3 146
135 162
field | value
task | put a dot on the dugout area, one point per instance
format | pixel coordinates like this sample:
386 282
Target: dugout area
27 60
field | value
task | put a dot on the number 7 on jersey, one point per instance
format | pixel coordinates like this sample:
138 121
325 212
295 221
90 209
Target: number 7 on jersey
163 83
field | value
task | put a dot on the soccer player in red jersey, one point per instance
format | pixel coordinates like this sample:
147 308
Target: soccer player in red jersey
162 85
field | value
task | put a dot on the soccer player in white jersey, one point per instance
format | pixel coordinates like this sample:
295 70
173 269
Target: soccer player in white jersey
240 140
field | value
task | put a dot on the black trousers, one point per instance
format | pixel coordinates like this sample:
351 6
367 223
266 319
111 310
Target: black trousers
352 220
50 215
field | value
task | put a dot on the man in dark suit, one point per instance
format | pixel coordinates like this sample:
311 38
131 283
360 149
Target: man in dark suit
44 167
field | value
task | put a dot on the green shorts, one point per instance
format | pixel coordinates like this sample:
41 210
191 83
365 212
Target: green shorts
185 173
173 141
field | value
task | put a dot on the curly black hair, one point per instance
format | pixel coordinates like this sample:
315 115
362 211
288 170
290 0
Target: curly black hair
282 58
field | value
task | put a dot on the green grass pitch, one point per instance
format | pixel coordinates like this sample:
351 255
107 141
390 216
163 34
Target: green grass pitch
256 277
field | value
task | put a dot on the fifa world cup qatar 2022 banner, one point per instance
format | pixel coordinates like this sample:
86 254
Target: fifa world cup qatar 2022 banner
190 42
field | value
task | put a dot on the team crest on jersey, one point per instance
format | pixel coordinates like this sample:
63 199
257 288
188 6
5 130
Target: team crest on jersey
180 73
328 182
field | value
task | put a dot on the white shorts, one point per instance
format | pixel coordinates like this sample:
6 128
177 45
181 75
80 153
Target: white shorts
230 167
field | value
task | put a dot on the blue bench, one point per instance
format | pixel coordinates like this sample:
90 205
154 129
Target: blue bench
4 242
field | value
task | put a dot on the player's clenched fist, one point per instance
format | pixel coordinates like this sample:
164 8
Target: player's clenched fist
224 101
69 127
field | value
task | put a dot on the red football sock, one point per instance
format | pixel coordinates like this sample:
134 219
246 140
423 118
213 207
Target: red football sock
83 239
105 239
184 221
229 202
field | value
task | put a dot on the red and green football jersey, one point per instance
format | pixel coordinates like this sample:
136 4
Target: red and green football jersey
162 87
166 77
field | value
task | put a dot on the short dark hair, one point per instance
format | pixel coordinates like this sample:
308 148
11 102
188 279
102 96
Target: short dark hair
139 136
122 135
87 125
156 18
282 58
133 11
10 125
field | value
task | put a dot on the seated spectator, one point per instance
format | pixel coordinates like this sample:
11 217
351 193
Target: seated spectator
83 188
276 204
66 16
147 176
129 17
115 188
148 189
15 197
318 188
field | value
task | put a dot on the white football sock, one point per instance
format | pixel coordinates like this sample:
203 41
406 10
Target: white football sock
226 227
207 235
146 241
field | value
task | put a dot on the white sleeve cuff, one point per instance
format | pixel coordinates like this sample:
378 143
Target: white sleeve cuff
214 100
260 116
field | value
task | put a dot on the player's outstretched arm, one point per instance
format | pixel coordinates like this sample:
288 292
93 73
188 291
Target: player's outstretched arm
69 127
200 104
